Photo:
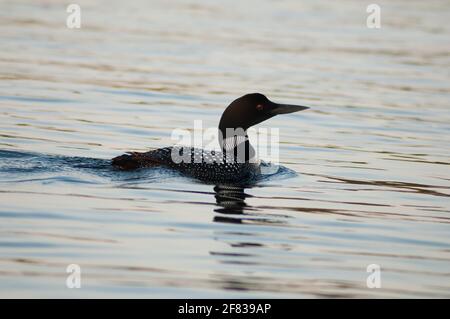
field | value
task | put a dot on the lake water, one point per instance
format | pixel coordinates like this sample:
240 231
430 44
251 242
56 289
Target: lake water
366 170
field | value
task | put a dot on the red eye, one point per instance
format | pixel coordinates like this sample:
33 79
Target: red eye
260 107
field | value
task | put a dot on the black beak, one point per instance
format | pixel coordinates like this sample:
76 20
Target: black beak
286 108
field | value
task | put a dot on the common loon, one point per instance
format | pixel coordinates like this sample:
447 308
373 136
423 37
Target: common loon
237 161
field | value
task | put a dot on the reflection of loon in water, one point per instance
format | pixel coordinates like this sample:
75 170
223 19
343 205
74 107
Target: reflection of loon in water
231 202
230 199
237 162
233 209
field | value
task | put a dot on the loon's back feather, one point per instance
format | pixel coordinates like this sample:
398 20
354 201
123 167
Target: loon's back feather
205 165
134 160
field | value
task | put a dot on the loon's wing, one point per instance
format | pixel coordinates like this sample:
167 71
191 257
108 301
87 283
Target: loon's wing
201 164
134 160
176 157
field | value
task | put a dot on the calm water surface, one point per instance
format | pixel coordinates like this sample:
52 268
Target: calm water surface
366 177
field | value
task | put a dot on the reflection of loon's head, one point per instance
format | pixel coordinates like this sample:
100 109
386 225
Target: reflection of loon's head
251 109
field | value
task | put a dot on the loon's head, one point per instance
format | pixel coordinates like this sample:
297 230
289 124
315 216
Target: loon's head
252 109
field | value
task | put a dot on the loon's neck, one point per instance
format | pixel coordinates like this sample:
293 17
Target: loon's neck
235 144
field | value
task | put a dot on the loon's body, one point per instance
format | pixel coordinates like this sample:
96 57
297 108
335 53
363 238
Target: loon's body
203 164
236 162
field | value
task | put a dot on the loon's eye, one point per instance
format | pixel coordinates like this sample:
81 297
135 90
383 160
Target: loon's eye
260 107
